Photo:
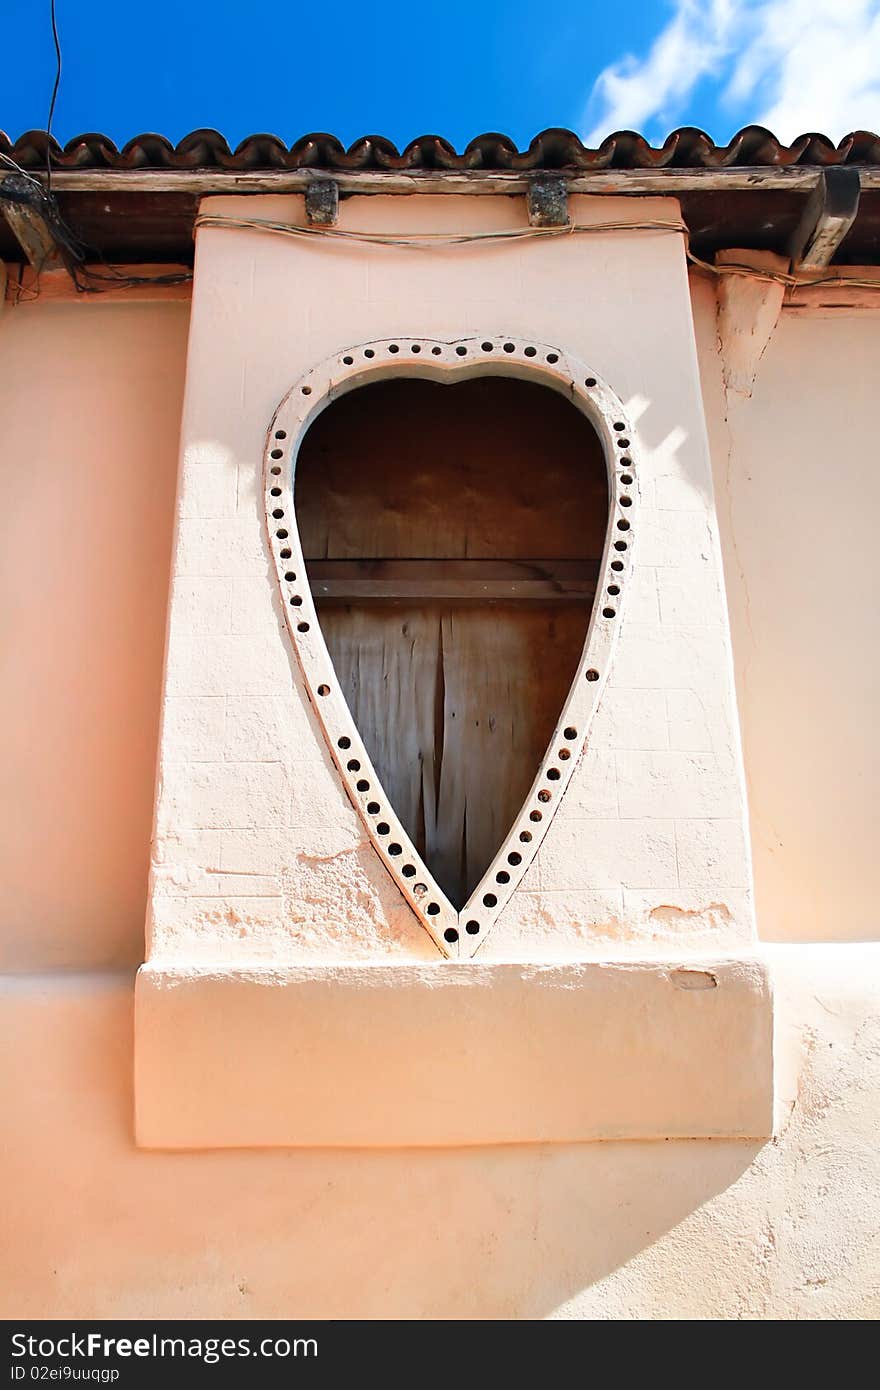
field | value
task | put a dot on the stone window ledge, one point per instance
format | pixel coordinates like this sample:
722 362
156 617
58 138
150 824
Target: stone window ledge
452 1054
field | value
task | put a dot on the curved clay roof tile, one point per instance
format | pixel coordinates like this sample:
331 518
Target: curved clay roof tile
554 148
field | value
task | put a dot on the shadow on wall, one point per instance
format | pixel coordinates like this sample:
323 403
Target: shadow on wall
103 1230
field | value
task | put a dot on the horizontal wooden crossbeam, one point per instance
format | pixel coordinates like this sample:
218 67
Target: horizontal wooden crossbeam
789 178
452 581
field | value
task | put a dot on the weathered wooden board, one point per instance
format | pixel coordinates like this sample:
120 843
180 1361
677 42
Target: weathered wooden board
455 696
461 581
491 468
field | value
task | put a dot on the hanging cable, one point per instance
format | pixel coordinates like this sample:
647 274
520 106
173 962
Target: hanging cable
54 97
427 240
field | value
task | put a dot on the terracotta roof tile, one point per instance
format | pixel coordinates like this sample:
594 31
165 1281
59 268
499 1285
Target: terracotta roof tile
687 148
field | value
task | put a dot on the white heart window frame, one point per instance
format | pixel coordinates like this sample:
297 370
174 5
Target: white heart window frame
458 934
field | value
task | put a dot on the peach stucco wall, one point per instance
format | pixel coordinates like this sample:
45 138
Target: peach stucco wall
89 408
695 1229
78 757
798 493
89 423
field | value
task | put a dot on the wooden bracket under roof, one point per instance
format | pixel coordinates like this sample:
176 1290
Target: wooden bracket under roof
547 199
829 213
29 212
322 202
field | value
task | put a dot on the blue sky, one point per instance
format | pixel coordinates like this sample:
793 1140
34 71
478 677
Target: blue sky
452 68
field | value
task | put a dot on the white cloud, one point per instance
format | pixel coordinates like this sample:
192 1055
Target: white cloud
631 94
812 65
792 65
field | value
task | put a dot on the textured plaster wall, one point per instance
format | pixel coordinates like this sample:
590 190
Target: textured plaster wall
90 399
258 854
798 490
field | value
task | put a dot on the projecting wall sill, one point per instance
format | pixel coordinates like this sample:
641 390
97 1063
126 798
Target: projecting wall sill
393 1056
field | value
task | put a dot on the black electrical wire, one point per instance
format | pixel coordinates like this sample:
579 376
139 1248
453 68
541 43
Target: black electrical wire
73 249
54 98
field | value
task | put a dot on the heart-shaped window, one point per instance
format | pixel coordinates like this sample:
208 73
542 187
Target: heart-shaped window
451 559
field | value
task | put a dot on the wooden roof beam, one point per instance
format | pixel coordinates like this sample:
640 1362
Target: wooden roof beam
28 211
638 182
829 213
